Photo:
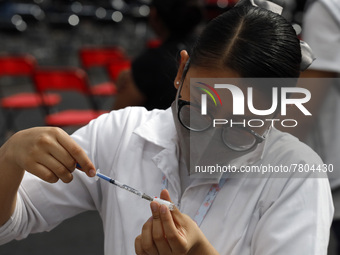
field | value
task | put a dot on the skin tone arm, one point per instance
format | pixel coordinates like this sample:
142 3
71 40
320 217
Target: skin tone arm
171 233
128 93
318 92
47 152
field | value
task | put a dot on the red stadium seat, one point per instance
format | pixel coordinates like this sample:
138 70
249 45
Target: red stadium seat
14 67
99 57
153 44
71 79
115 67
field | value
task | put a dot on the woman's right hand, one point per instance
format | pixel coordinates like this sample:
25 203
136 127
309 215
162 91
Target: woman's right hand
47 152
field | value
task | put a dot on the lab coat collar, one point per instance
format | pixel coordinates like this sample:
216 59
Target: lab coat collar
161 131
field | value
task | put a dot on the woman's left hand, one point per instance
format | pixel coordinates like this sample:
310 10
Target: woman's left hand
171 232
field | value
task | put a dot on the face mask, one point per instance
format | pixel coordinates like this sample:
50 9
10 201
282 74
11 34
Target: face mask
206 148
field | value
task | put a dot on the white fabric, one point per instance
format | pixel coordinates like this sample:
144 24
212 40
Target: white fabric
321 30
334 8
249 216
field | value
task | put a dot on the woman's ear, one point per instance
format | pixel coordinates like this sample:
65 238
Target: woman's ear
184 60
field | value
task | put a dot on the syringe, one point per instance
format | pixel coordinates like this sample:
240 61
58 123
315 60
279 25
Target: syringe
170 205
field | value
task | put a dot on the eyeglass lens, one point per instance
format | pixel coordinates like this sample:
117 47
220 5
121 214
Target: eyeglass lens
235 138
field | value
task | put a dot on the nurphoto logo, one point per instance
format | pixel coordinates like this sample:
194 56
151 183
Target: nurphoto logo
280 98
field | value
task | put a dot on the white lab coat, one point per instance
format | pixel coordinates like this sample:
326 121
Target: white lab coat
258 216
321 31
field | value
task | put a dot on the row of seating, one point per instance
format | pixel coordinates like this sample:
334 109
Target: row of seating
48 83
17 16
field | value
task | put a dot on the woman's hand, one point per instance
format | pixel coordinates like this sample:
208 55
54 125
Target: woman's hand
171 233
47 152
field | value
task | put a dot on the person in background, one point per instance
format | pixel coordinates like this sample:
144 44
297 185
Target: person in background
321 30
149 83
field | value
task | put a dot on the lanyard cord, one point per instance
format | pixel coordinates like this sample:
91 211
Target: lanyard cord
207 202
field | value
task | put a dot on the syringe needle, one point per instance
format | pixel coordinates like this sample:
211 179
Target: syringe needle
147 197
117 183
170 205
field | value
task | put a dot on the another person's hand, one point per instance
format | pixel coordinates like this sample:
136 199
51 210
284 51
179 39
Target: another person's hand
47 152
171 232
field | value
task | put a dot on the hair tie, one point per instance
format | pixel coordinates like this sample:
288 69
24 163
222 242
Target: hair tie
307 55
270 6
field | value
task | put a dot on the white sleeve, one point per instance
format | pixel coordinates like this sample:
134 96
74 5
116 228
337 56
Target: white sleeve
322 33
298 221
9 231
41 206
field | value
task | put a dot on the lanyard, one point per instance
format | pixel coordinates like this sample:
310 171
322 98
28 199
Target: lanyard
207 202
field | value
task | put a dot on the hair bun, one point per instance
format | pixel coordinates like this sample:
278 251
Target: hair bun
307 55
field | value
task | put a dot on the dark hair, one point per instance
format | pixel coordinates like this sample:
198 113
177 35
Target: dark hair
179 16
252 41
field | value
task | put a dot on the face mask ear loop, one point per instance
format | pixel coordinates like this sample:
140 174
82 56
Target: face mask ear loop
185 71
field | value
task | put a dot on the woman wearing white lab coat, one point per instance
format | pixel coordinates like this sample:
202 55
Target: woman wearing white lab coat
240 213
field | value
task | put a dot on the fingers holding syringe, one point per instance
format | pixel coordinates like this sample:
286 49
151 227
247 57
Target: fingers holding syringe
46 157
52 169
158 235
58 153
47 152
77 156
145 243
174 225
165 195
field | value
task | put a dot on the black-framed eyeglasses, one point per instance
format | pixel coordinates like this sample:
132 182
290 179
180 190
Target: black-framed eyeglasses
237 138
